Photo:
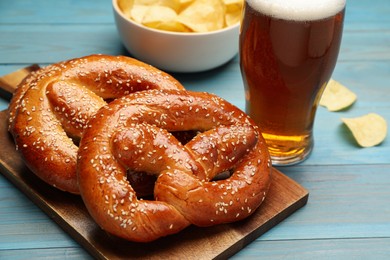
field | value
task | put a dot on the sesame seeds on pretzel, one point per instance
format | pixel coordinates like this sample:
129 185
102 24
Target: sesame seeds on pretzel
134 133
51 107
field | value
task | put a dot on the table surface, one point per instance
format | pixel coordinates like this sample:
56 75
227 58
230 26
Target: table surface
348 212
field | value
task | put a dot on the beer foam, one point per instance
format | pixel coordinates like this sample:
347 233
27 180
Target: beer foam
298 10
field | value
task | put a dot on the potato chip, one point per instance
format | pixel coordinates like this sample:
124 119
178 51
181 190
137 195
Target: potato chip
204 15
233 11
137 13
183 4
183 15
368 130
232 18
336 96
158 14
173 4
126 6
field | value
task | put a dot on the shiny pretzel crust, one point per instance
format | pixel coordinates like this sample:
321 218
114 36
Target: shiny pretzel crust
133 133
51 107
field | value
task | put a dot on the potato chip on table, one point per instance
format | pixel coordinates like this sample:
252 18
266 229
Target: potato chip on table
368 130
336 96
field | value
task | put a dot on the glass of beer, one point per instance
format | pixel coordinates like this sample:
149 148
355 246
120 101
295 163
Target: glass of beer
288 50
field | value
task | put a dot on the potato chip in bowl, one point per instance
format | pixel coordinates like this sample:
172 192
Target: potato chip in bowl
180 35
183 15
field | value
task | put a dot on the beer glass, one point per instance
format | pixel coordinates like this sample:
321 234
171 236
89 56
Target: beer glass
288 50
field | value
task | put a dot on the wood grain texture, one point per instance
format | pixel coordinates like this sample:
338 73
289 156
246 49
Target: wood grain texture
11 81
285 197
347 216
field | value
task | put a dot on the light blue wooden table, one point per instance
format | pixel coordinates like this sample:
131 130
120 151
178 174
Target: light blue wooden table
348 213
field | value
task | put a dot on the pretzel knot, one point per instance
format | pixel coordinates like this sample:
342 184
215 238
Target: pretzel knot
135 134
51 107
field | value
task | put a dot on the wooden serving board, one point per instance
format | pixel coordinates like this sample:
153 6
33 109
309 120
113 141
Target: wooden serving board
285 197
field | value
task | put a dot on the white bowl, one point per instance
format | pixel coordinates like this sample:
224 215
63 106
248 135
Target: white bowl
177 51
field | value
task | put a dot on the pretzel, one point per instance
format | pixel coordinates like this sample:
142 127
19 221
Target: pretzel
135 133
50 109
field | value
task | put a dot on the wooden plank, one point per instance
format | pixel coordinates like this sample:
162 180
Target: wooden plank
345 202
71 41
360 14
356 45
57 12
334 196
10 81
285 197
369 248
366 248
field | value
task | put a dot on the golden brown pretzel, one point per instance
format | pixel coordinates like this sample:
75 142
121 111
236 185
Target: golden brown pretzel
133 133
51 107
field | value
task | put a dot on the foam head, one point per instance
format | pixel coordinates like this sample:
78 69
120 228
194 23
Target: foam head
298 10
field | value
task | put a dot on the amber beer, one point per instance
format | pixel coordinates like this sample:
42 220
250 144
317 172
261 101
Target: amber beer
288 50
